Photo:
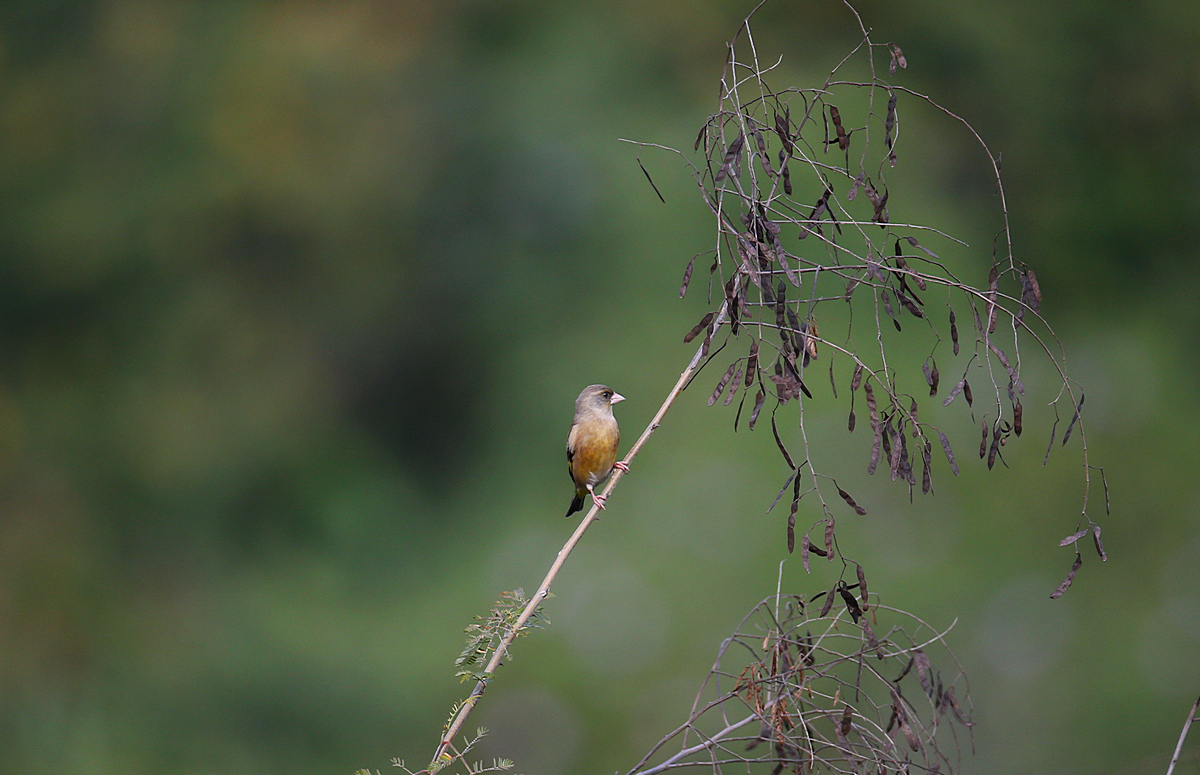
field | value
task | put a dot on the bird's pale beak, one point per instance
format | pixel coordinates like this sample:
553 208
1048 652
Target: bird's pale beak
617 398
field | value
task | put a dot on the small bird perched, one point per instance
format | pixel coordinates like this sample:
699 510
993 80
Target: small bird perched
592 443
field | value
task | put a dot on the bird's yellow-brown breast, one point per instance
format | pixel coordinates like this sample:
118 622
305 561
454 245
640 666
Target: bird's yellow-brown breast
592 450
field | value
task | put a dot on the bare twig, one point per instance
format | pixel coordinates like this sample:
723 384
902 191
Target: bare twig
1183 735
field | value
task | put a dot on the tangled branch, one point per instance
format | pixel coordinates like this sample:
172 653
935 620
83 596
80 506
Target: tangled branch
800 688
797 180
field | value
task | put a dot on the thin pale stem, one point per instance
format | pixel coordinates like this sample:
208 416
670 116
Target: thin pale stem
707 744
543 589
1183 735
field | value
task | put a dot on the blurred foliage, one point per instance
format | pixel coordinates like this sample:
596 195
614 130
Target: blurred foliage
295 298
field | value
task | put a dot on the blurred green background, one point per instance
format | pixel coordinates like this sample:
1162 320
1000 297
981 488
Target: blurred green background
296 296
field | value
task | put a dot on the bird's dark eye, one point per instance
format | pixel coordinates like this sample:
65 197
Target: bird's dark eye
608 394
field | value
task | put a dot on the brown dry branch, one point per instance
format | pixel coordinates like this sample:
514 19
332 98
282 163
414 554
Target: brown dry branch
797 689
798 182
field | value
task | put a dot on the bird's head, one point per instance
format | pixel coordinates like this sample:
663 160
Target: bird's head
597 398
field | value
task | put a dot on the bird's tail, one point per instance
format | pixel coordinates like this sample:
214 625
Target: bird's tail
577 503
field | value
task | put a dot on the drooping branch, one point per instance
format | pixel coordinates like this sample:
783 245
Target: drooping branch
799 182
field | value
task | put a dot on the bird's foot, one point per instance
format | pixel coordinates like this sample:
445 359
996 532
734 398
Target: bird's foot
621 465
597 498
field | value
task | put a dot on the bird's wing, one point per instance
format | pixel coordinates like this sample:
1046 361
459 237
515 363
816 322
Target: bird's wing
571 442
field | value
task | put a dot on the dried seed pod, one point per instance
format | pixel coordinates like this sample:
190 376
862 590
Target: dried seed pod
786 457
1074 417
859 510
728 375
758 402
889 122
733 387
858 181
875 445
791 527
1099 544
687 277
782 129
1066 583
954 391
872 406
949 452
794 477
843 140
851 604
763 157
926 466
862 586
731 165
828 604
887 307
909 305
1073 537
704 321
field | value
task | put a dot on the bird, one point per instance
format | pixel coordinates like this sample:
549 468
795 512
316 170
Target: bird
592 443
